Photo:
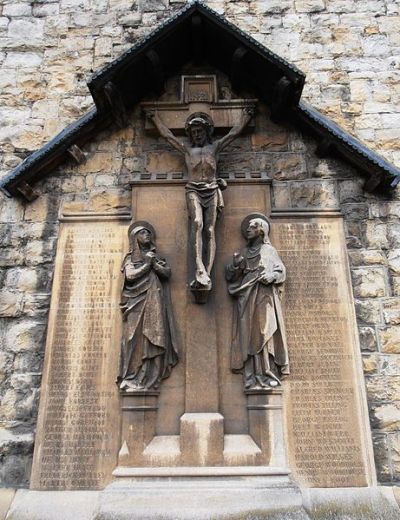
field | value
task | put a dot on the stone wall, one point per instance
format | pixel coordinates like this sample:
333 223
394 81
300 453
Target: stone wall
350 53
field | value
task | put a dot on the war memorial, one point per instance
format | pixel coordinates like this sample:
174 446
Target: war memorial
201 272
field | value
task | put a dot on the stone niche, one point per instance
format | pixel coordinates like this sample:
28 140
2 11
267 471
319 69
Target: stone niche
313 430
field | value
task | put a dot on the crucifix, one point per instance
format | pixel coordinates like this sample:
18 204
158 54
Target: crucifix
204 188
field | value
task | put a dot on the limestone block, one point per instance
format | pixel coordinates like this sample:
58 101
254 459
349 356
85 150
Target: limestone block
390 120
368 312
237 8
36 305
394 440
164 162
390 366
109 200
8 79
289 167
103 47
382 388
11 257
269 141
388 138
130 20
25 336
324 168
68 6
370 364
272 6
281 194
4 21
368 341
15 10
13 116
29 137
105 180
375 45
367 257
11 304
45 108
341 6
34 89
309 6
382 457
393 7
148 6
37 210
390 340
369 282
38 252
375 235
73 184
394 261
351 190
386 417
391 311
75 106
368 122
314 194
27 32
25 361
44 10
392 209
357 211
132 164
98 162
11 210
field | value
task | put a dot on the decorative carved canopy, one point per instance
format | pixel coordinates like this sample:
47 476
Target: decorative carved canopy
200 35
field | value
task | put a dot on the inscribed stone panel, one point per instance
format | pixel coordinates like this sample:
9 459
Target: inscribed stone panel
77 439
326 415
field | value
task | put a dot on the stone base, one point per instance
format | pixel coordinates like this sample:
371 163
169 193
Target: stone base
240 498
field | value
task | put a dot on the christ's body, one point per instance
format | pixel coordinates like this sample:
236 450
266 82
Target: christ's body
203 190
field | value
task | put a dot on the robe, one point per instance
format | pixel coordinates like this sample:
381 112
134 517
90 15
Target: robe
258 326
149 347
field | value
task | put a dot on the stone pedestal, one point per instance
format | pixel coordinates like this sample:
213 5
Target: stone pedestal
266 425
138 418
202 439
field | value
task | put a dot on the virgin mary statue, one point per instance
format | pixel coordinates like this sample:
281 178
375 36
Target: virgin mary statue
149 350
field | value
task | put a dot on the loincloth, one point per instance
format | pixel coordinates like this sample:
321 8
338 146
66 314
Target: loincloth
208 194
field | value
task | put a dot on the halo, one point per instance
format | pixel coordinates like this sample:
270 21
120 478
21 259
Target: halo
142 223
245 223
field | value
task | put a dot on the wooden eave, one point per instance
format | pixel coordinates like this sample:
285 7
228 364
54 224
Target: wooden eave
200 35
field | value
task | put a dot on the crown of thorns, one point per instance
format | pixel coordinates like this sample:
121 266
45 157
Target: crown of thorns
200 118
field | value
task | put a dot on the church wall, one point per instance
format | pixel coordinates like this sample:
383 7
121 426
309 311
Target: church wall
350 53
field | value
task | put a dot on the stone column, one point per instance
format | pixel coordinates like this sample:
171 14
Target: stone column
266 425
139 416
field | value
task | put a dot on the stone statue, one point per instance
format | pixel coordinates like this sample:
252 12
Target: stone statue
203 190
256 275
149 349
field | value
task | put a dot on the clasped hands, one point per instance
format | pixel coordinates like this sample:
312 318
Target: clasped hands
150 258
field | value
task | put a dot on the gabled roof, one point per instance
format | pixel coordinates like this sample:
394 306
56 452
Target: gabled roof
198 34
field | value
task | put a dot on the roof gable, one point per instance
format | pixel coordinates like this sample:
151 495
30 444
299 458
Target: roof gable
199 34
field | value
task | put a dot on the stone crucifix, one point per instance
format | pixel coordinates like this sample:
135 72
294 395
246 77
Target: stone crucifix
203 189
